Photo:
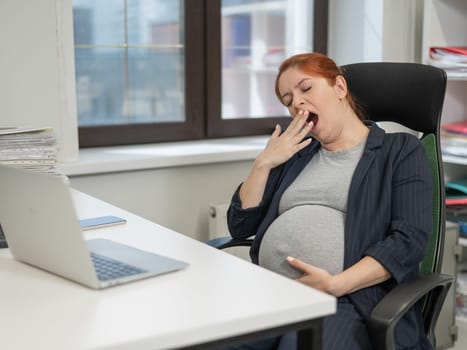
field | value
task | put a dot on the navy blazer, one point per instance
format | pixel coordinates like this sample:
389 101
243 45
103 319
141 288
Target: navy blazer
389 215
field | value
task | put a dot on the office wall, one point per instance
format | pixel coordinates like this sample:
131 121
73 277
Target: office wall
375 30
37 85
177 197
355 30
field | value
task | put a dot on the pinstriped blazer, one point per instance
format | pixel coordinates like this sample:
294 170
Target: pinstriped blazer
388 214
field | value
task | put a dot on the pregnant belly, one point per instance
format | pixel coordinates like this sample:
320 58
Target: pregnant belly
312 233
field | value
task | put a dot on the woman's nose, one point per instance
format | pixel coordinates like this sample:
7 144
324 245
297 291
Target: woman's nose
299 102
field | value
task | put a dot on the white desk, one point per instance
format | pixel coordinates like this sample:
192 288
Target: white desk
217 297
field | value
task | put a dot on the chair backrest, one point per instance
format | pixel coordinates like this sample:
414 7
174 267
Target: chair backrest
412 95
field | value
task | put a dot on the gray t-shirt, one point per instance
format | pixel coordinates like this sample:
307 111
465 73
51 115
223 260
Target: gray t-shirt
311 220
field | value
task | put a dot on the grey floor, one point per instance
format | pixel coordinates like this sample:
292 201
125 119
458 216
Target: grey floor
461 343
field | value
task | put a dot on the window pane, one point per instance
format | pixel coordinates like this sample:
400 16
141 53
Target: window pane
155 22
156 83
100 22
129 58
100 86
256 37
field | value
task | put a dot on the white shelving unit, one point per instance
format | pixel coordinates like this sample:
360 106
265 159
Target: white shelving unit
450 159
445 24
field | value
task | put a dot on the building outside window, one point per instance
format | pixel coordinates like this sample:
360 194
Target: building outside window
129 61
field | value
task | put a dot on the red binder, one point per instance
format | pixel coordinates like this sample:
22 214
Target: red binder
456 127
458 50
456 201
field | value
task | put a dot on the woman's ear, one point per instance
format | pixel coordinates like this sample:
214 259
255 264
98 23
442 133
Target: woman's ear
340 87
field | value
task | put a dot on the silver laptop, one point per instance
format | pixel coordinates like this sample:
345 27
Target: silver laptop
42 229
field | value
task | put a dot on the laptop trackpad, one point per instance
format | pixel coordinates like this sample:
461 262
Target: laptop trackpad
135 257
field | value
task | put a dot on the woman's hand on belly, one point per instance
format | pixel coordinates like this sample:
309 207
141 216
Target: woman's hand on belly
365 273
314 276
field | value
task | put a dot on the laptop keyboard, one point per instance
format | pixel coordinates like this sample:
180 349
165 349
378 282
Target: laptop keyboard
109 269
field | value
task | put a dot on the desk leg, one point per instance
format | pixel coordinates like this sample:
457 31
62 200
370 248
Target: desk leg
311 338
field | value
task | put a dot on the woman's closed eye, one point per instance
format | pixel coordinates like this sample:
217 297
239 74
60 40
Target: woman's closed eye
287 101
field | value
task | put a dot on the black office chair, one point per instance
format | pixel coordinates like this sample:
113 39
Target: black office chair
412 95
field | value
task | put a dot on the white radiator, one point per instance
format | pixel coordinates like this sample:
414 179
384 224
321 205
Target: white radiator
218 220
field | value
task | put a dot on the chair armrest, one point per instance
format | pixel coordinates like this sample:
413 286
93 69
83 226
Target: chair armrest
398 301
228 242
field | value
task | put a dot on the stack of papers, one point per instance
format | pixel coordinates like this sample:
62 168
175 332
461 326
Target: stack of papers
29 148
454 138
452 59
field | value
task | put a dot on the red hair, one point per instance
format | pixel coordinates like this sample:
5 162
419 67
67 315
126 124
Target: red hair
316 64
